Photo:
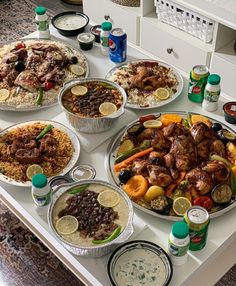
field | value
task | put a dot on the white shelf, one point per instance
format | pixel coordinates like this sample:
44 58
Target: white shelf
152 18
228 53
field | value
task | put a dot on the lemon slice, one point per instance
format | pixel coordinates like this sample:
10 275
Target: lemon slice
77 69
181 205
4 94
152 123
33 170
162 93
67 224
107 108
108 198
79 90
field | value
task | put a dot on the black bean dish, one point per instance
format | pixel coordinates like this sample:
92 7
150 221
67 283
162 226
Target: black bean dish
92 99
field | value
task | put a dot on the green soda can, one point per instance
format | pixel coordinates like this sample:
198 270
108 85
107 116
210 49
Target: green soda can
197 219
197 83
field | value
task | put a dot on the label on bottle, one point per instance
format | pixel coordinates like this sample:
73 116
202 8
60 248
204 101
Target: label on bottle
42 25
177 250
104 41
212 96
43 200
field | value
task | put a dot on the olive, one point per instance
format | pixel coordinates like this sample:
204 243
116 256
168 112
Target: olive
74 60
124 176
216 127
19 66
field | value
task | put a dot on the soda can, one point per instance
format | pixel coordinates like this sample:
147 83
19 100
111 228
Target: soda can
197 83
118 45
198 221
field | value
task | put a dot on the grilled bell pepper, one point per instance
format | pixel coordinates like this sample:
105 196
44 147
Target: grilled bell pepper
127 154
204 202
114 235
39 98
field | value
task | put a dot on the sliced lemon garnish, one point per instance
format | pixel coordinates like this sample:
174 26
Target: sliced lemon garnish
162 93
181 205
108 198
79 90
107 108
152 123
33 170
67 224
77 69
4 94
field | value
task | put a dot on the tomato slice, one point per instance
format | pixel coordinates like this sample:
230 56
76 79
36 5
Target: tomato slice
204 202
144 118
20 46
48 85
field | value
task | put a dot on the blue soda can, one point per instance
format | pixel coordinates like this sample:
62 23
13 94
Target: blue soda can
118 45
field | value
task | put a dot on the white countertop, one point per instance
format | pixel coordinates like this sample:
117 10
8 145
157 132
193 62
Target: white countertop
222 230
222 11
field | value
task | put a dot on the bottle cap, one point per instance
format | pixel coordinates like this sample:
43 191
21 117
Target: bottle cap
40 10
106 26
180 229
39 181
214 79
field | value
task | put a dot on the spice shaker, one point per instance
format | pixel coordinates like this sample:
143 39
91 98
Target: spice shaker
42 23
178 243
211 93
104 37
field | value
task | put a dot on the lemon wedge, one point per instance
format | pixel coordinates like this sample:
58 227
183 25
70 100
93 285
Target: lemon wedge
77 69
152 123
33 170
181 205
67 224
107 108
162 93
4 94
108 198
79 90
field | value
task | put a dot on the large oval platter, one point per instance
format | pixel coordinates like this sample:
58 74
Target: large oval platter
140 88
23 96
71 139
111 156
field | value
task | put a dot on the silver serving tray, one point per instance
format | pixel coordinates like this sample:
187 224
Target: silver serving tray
110 160
6 107
160 103
73 137
96 250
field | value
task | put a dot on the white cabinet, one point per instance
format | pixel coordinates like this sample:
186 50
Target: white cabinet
171 44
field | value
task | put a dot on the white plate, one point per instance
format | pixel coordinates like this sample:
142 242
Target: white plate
110 161
75 156
160 103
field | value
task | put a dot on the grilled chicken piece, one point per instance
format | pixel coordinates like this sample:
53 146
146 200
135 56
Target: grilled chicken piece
159 176
203 149
173 129
24 141
218 147
147 133
218 171
139 167
137 79
48 145
21 54
56 75
201 180
5 69
42 69
11 77
55 55
159 142
28 80
200 131
9 58
169 160
184 152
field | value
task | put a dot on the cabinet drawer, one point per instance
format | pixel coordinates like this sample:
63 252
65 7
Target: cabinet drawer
171 49
227 71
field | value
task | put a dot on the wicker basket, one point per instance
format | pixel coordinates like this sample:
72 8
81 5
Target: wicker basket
184 19
131 3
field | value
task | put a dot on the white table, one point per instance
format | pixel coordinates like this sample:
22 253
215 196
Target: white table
204 267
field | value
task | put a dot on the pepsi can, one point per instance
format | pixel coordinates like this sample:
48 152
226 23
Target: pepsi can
118 45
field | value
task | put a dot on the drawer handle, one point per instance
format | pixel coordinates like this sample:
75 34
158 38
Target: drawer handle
169 50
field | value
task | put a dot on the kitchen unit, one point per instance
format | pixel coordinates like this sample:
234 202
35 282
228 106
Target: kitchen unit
177 47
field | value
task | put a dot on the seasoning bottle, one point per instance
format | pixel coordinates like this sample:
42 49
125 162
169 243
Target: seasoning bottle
104 37
211 93
41 193
42 23
178 243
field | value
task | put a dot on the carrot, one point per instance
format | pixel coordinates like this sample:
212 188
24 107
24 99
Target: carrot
171 187
128 161
136 186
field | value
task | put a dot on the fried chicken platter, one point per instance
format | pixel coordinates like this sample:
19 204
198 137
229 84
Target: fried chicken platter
144 82
160 158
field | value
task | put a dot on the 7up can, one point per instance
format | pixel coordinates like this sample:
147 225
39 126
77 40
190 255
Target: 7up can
197 83
197 219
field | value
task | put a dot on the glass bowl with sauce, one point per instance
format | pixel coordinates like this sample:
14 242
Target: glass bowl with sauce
230 112
70 23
